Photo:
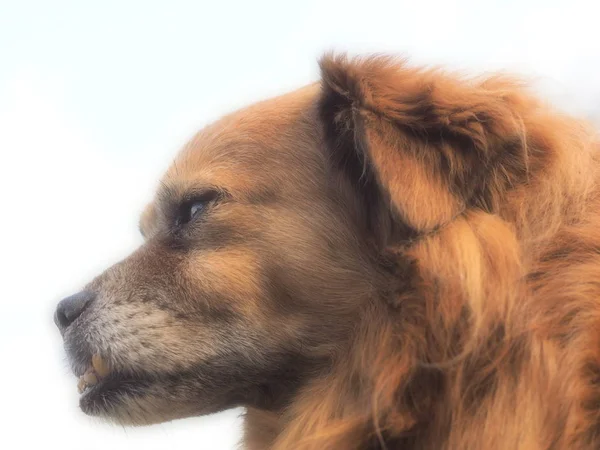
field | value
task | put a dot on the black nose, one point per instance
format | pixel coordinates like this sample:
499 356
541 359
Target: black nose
71 308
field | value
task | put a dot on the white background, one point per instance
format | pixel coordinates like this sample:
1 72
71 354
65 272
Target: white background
96 97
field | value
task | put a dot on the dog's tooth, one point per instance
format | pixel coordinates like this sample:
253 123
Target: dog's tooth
81 385
100 366
90 378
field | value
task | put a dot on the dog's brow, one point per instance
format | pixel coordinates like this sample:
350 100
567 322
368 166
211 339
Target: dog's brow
168 193
171 195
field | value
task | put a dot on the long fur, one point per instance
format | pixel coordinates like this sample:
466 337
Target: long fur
496 344
395 259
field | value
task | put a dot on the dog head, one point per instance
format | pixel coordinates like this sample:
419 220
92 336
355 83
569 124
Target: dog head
267 239
249 278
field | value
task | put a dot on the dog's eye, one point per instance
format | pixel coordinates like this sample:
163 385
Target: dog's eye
194 208
190 211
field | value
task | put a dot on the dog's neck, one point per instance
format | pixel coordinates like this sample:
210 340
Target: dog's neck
342 400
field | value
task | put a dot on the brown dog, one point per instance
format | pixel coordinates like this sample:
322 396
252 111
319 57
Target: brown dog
390 259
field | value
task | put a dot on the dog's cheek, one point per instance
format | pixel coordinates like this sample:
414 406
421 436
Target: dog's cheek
230 279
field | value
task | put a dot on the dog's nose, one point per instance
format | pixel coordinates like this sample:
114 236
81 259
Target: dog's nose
71 308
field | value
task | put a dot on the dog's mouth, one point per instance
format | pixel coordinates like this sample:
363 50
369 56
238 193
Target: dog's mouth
101 386
95 374
142 398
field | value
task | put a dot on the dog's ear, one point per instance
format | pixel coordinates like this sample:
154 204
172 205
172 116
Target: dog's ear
421 143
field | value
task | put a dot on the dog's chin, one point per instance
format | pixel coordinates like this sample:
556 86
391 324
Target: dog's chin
113 396
140 401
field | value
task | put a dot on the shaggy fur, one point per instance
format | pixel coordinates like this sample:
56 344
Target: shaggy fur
395 258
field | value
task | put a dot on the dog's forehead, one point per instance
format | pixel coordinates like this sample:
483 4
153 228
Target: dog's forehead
250 144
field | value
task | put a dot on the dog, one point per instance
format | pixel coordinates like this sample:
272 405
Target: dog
390 258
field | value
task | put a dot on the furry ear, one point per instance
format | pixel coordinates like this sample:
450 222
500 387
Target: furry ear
426 143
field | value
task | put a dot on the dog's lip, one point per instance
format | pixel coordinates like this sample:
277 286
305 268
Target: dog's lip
99 386
101 377
113 381
96 400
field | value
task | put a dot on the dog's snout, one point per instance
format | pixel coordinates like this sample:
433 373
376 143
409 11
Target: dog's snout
71 308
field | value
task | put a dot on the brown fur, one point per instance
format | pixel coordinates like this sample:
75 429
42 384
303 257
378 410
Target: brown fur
394 258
